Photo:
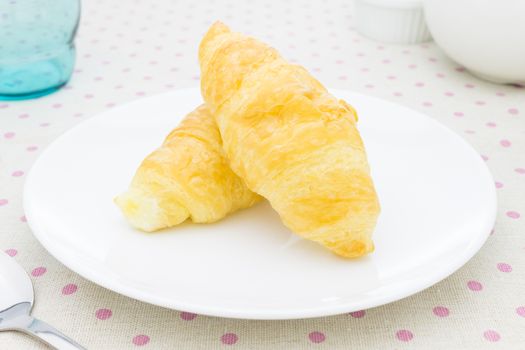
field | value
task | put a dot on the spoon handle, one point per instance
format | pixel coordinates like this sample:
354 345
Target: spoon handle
49 335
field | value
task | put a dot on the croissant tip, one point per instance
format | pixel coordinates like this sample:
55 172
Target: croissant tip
220 26
354 248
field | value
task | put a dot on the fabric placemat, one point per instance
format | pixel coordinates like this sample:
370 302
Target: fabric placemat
130 49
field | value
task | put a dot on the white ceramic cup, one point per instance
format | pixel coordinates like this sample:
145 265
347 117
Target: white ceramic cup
485 36
392 21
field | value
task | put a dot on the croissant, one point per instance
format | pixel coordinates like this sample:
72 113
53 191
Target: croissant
187 177
290 141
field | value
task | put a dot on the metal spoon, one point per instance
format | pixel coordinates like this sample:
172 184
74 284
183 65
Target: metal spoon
16 301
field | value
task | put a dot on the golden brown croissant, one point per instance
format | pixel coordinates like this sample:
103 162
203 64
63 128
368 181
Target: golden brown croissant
290 141
188 176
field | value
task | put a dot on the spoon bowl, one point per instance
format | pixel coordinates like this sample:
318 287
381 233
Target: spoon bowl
16 301
15 284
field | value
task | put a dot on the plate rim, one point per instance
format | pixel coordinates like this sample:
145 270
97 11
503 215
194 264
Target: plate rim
105 279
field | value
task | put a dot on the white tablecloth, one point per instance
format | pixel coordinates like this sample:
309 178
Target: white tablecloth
130 49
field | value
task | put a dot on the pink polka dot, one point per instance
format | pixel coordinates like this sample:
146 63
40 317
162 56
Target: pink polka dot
504 267
57 105
358 314
498 184
31 148
316 337
404 335
9 135
458 114
17 173
513 214
500 94
419 84
484 157
491 124
469 86
474 286
11 252
3 201
69 289
440 75
521 311
23 218
39 271
460 69
427 104
229 338
187 316
140 340
513 111
2 106
505 143
520 170
23 116
492 335
441 311
103 314
449 94
480 103
412 66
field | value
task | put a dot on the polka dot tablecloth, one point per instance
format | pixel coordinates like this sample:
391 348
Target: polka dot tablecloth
130 49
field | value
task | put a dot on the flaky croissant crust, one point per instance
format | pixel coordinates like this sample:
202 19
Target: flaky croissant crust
187 177
290 141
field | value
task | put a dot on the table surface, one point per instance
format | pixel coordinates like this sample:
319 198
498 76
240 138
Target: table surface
127 50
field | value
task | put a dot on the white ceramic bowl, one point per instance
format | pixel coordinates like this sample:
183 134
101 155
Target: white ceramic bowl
392 21
485 36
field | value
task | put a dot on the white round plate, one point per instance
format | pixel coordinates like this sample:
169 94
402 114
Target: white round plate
438 207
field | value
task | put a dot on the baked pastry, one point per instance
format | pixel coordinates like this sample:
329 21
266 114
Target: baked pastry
290 141
187 177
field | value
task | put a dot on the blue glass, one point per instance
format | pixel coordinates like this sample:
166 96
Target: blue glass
37 51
